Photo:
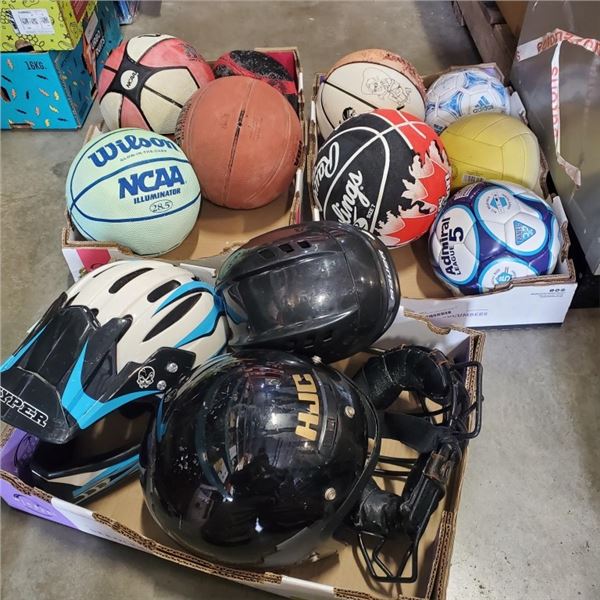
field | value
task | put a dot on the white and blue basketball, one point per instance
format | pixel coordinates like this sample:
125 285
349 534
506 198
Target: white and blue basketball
489 233
135 188
461 93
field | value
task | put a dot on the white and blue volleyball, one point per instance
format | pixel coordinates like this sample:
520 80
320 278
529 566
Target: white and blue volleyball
461 93
492 232
135 188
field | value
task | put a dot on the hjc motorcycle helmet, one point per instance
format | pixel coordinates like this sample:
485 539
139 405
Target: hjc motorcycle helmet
324 289
258 458
261 458
113 342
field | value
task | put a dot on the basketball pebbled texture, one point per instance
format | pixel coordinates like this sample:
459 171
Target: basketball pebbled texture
251 63
386 172
366 80
133 187
492 146
146 81
243 139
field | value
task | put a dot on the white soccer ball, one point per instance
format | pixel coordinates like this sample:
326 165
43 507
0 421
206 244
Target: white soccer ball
461 93
492 232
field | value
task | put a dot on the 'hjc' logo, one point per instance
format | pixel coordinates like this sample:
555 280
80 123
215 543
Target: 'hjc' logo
308 422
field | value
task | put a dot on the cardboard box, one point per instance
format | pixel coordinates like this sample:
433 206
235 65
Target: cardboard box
55 90
122 517
43 25
524 301
218 230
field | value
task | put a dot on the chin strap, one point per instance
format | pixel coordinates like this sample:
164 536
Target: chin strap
438 435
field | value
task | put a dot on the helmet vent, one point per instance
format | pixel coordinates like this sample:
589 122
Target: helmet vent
175 315
304 244
161 290
286 248
267 254
328 336
100 271
123 281
309 341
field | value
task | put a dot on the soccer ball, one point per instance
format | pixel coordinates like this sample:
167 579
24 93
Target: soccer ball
491 232
461 93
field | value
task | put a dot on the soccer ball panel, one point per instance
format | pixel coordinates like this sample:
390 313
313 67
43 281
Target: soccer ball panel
501 271
526 235
456 245
496 205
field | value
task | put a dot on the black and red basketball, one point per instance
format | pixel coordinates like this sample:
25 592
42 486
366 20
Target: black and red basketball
146 81
258 65
386 172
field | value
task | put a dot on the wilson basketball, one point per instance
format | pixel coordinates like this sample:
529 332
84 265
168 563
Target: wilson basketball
365 80
133 187
251 63
147 80
243 139
386 172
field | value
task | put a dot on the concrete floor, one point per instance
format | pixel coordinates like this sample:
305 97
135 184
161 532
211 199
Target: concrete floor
530 519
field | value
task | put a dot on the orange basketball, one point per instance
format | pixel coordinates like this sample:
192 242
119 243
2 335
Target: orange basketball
243 139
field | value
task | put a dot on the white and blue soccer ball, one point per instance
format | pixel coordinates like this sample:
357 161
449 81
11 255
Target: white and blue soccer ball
461 93
490 233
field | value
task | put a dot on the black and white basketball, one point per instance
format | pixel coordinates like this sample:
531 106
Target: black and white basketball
147 80
386 172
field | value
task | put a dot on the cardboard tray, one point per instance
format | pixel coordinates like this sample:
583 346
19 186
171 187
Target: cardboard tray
522 301
218 230
122 517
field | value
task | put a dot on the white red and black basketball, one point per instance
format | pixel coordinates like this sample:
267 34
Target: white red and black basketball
386 172
147 80
258 65
365 80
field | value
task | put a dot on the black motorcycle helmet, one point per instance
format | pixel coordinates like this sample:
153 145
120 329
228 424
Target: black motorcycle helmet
323 288
258 458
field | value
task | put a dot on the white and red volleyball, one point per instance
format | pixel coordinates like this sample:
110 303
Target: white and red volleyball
147 80
386 172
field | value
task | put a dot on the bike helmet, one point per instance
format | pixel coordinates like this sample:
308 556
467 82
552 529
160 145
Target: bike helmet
324 289
120 336
257 459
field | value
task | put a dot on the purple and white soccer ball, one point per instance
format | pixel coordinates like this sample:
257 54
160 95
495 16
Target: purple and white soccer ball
461 93
491 232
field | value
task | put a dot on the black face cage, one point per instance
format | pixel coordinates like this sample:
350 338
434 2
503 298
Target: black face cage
438 435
